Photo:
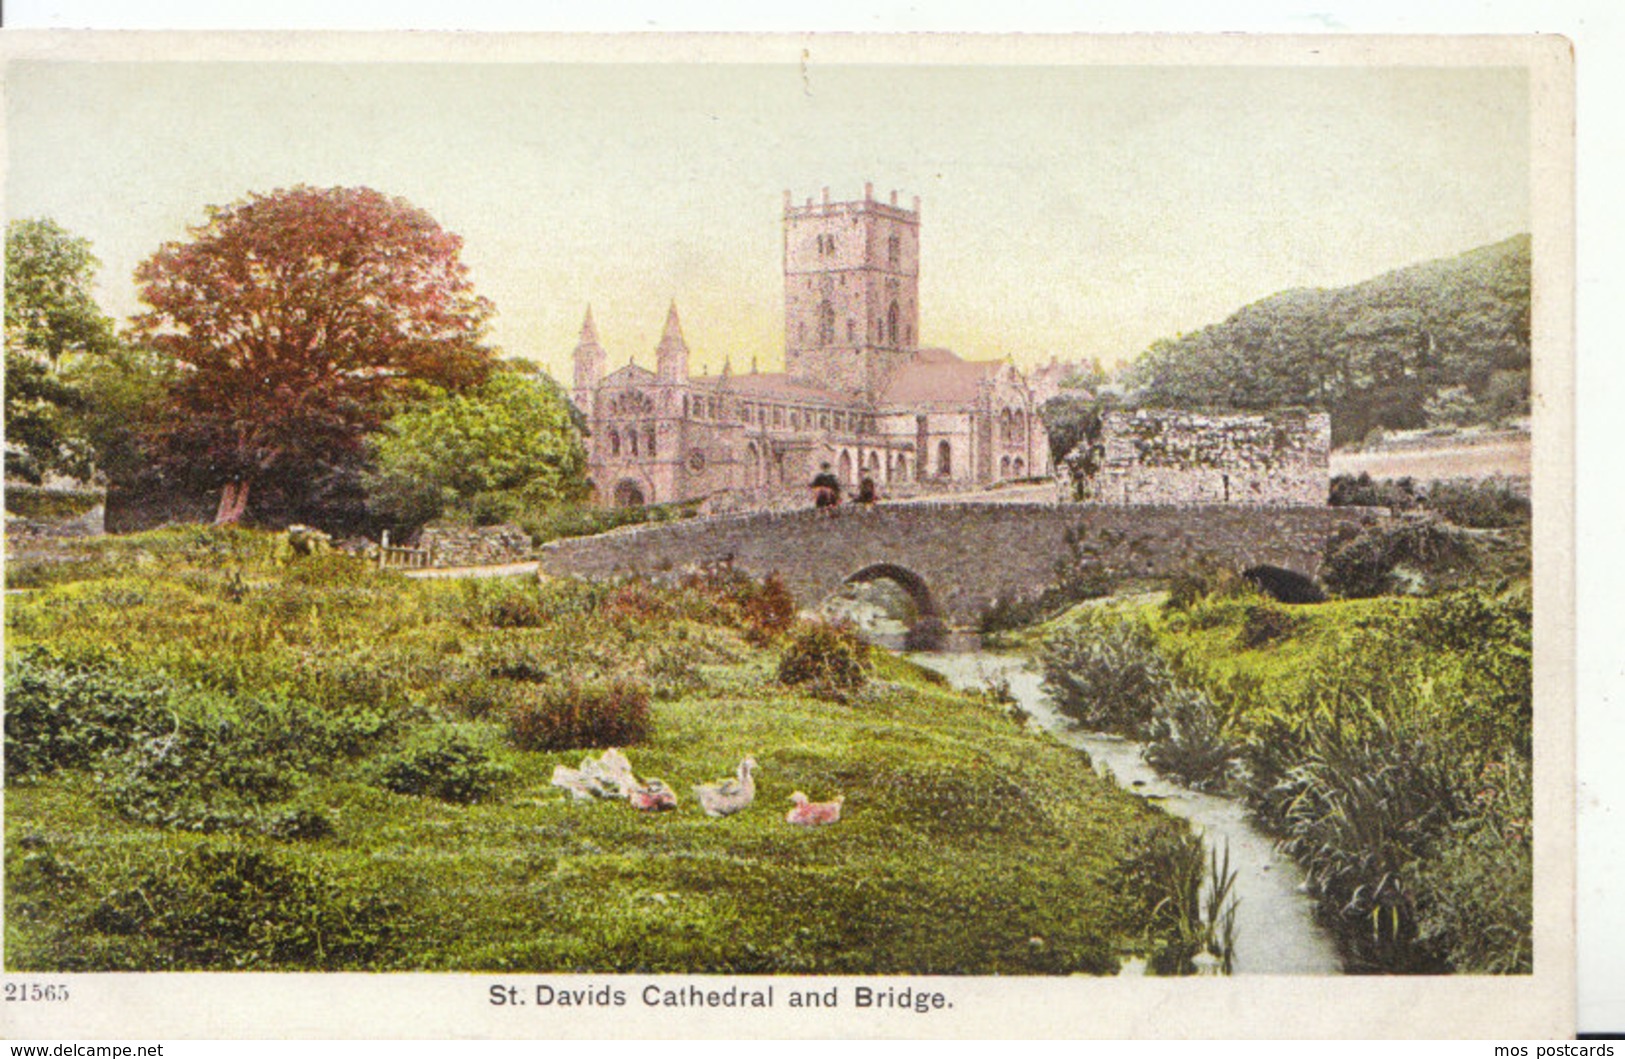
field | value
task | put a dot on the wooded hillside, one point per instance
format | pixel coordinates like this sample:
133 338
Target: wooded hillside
1443 342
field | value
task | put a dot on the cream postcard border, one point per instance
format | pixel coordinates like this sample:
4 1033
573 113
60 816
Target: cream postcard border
133 1006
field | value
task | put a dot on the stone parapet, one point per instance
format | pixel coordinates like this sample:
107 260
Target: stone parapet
966 553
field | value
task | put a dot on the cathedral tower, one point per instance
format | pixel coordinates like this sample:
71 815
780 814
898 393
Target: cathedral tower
851 291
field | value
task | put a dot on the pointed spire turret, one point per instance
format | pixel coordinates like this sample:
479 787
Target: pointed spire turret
671 355
589 333
671 339
589 361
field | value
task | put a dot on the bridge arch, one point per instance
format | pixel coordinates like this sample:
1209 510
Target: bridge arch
1284 585
912 583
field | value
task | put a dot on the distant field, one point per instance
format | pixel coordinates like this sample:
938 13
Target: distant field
1505 456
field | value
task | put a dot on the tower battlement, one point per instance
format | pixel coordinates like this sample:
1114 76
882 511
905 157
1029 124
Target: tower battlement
851 290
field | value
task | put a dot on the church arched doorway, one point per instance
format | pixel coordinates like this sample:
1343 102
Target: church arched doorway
628 494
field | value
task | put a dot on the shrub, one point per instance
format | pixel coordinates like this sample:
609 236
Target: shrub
1079 575
440 763
219 761
298 823
1475 896
578 520
1347 490
927 634
574 715
769 609
194 781
514 603
1486 700
1105 674
1185 897
1006 613
516 609
1263 624
1366 799
635 600
1202 578
65 714
831 660
227 907
1187 739
1369 562
29 501
1487 504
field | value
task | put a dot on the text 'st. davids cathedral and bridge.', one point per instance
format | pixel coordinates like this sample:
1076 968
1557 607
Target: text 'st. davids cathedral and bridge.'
1144 492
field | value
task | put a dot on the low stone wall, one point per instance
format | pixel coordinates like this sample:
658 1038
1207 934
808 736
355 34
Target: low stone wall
476 545
23 532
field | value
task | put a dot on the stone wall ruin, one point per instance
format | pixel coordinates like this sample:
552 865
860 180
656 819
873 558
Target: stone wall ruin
1175 457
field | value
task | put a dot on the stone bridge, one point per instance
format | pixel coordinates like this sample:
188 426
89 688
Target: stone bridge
956 557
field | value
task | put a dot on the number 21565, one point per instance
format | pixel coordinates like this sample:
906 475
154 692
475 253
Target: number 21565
36 991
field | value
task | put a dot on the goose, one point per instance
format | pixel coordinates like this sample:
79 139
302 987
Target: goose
729 796
610 776
808 813
652 796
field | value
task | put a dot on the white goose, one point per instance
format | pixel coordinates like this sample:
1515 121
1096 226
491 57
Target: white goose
729 796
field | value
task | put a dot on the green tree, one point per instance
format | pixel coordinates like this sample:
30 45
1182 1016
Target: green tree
51 320
38 407
300 320
510 441
50 310
121 401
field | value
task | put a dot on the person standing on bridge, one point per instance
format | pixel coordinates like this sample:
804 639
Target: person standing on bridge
826 490
867 493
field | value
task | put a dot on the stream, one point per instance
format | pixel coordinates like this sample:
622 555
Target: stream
1276 931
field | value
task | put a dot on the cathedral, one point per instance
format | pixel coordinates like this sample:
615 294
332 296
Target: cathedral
858 393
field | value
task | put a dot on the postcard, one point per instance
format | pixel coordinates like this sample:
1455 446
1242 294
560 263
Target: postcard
526 536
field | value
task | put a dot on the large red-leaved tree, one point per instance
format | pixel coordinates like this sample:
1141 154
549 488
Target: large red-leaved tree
297 317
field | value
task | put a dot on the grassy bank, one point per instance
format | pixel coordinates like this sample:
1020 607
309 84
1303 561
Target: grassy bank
222 757
1384 740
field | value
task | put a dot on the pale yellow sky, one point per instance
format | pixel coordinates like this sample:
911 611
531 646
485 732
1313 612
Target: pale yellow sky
1075 211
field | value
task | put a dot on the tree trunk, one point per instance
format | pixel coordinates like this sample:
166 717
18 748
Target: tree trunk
233 502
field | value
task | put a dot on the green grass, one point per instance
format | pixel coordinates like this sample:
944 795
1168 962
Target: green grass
966 845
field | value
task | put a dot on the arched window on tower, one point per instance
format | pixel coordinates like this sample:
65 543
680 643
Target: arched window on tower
894 251
614 442
826 324
649 441
891 323
945 460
